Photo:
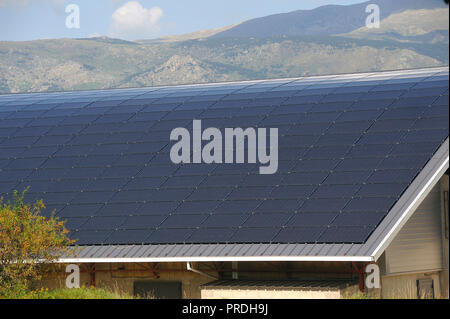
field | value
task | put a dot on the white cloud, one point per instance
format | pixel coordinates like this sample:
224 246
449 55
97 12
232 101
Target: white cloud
133 21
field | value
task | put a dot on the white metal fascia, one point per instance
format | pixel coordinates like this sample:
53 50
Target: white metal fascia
215 259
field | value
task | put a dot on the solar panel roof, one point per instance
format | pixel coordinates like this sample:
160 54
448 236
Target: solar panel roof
349 147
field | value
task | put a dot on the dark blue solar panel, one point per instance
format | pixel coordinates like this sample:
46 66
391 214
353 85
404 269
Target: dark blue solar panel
176 235
255 234
311 219
143 222
103 223
305 234
86 237
208 235
224 220
371 219
128 236
267 220
347 151
183 221
349 234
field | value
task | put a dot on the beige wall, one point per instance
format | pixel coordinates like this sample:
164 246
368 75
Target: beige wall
419 251
418 245
405 286
445 239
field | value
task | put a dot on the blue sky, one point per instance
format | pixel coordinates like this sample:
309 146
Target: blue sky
42 19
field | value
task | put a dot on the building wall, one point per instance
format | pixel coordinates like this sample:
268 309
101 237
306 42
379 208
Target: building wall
445 236
405 286
121 277
418 245
420 250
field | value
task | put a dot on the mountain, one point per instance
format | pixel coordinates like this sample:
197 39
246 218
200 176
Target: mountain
68 64
202 34
410 38
420 23
325 20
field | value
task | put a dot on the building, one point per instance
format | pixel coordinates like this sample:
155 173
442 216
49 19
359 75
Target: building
362 179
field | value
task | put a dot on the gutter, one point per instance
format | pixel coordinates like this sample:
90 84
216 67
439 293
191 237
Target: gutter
189 268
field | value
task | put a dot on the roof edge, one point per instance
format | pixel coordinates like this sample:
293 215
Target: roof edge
215 259
442 68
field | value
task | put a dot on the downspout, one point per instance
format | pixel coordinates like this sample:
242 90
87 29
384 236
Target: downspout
189 267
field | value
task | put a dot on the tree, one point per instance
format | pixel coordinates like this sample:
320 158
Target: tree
27 240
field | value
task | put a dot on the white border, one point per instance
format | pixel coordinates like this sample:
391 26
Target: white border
215 259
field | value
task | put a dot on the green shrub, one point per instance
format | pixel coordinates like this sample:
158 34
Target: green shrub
28 240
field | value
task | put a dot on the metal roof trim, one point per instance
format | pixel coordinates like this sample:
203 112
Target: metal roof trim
215 259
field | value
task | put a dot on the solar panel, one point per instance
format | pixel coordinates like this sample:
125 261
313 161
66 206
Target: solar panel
91 237
142 222
183 221
173 235
209 235
305 234
128 236
267 220
255 234
349 234
348 149
311 219
224 220
103 223
371 219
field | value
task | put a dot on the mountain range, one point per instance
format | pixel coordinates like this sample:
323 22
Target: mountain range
329 39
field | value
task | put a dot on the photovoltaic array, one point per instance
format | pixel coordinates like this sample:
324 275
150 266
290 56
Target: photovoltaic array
349 146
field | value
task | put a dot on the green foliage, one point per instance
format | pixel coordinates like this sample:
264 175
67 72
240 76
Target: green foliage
358 295
64 293
27 241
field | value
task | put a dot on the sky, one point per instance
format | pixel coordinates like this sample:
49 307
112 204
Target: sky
22 20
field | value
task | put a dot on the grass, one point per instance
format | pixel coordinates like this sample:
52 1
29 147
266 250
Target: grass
65 293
